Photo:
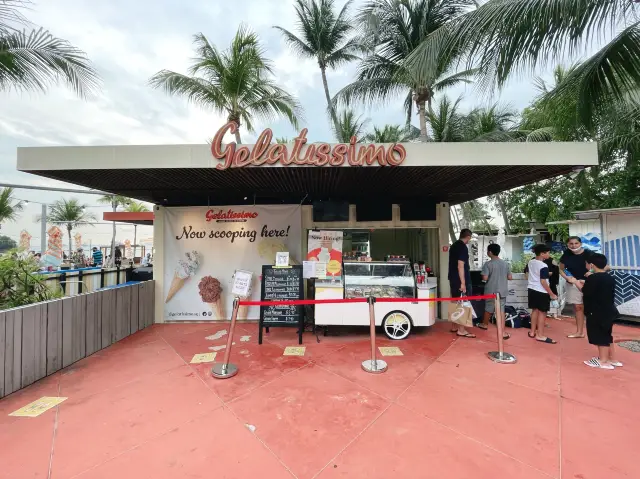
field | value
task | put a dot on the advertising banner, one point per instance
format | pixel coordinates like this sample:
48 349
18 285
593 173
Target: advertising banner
325 247
204 247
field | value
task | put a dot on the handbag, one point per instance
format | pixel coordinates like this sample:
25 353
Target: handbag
462 313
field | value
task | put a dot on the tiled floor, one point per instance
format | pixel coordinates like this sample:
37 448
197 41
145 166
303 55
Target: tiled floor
441 411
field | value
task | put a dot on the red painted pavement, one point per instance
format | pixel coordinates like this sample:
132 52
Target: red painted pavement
442 410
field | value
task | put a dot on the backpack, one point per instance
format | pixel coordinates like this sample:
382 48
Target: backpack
516 318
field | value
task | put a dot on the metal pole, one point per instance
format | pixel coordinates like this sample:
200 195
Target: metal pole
373 365
224 369
43 231
500 356
47 188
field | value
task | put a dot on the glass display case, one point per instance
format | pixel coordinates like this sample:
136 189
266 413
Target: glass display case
379 279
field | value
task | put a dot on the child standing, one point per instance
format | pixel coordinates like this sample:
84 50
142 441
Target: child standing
496 273
600 311
539 292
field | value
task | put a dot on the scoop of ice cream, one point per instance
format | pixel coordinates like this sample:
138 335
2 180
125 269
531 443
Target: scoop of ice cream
210 289
188 267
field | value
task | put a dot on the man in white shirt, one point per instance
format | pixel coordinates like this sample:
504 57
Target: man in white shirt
539 293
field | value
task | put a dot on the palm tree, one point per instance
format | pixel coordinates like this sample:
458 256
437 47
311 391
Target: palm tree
350 125
72 214
9 206
505 37
393 30
34 59
392 134
114 201
236 82
325 38
134 206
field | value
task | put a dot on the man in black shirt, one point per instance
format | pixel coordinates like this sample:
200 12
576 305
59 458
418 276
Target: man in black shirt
459 274
574 260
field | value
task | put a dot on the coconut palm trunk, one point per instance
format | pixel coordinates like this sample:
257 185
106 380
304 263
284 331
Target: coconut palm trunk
332 110
112 258
503 212
69 229
422 113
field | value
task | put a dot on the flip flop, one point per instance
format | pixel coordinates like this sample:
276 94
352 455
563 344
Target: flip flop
576 336
546 340
482 326
466 335
453 330
531 335
506 336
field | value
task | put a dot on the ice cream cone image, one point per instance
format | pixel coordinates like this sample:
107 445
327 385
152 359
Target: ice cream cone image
186 269
217 308
176 283
211 293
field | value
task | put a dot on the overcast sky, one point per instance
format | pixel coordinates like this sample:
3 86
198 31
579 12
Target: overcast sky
130 41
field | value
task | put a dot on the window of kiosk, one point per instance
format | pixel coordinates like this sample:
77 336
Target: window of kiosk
382 280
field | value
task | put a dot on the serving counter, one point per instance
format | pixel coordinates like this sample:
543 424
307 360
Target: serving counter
379 279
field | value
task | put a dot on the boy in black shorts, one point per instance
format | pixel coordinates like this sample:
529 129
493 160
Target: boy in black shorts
600 311
539 292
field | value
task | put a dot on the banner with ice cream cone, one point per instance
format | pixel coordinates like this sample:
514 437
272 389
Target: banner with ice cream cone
203 247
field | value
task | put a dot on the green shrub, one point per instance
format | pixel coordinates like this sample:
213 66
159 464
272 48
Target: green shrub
19 282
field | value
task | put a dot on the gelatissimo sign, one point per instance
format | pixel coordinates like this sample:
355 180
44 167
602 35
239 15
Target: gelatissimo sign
264 153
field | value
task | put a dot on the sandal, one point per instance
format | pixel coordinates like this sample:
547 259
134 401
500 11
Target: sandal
576 336
547 340
466 335
506 336
482 326
595 363
531 335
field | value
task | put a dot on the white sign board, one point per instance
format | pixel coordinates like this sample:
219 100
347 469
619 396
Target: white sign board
309 269
321 270
282 259
241 283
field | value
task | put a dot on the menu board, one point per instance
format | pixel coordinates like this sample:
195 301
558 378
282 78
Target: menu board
278 284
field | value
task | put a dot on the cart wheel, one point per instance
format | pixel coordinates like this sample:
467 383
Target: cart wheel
397 325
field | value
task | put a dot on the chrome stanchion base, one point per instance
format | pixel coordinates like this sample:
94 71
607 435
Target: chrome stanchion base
376 367
221 372
505 358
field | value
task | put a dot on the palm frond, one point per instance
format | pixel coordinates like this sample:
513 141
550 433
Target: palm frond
376 90
35 60
606 76
9 206
196 90
10 14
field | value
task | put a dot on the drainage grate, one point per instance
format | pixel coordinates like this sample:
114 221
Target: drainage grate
633 345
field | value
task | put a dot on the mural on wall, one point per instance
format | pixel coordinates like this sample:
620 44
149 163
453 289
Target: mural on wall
591 241
625 252
527 244
53 255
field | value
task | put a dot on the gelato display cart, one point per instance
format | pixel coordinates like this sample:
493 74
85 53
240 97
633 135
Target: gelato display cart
380 279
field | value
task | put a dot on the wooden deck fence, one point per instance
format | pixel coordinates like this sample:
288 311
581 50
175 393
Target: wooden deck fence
40 339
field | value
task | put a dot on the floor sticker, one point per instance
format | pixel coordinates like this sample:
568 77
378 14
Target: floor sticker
390 351
244 339
294 351
38 406
220 348
203 358
218 335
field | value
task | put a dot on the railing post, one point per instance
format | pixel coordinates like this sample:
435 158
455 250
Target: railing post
80 281
224 369
373 365
500 356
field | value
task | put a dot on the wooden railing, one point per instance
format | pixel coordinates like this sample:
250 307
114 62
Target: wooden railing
39 339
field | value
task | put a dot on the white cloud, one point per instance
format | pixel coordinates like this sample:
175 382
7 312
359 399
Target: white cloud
130 41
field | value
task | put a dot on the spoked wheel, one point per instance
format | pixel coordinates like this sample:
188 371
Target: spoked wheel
397 325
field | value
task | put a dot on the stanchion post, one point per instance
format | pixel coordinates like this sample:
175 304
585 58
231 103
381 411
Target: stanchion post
373 365
225 369
500 356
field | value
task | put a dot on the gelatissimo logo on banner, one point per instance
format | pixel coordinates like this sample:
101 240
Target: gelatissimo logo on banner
230 216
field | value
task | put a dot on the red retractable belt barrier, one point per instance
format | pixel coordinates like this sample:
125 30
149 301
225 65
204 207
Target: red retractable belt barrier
302 302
